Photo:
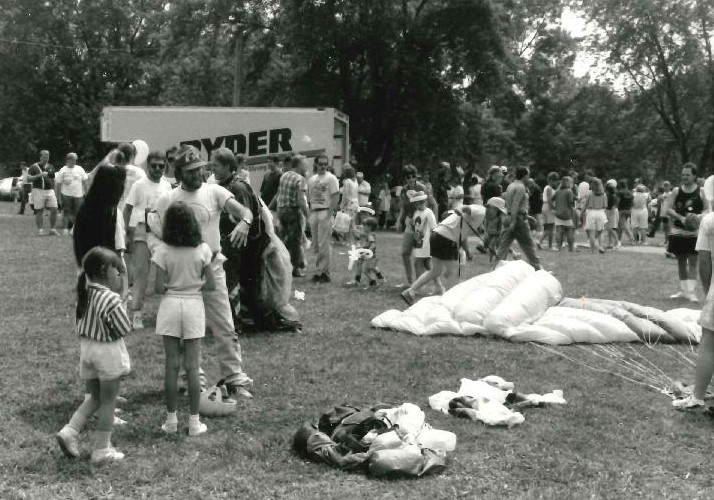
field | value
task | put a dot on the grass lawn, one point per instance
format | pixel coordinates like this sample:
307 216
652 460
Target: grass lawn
613 439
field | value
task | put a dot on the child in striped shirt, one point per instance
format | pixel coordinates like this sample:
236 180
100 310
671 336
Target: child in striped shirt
102 324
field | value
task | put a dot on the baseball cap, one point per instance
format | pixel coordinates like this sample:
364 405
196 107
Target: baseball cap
415 196
189 158
498 202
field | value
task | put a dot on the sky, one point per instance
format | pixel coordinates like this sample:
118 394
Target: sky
578 27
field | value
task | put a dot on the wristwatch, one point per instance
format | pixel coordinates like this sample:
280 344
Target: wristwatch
249 222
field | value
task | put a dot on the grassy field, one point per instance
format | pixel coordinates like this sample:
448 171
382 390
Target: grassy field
613 439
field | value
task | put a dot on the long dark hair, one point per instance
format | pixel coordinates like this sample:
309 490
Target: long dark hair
181 228
96 219
94 267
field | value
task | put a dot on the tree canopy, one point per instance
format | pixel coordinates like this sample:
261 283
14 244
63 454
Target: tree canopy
475 82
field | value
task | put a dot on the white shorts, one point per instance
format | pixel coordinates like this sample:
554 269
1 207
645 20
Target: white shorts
595 220
638 219
103 360
43 198
181 316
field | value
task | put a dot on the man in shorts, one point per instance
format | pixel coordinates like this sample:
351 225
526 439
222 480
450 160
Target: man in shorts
70 187
42 177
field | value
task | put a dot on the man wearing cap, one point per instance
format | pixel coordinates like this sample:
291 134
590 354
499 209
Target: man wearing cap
323 191
207 202
516 223
291 202
42 177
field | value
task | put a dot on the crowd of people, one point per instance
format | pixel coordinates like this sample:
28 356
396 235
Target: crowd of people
224 255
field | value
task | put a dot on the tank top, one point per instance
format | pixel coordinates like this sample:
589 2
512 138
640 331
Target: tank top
687 203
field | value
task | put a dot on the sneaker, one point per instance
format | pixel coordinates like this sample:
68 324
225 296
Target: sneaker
688 403
298 273
68 443
316 278
137 322
325 278
169 427
54 232
65 232
40 232
678 295
196 428
408 297
106 455
238 391
119 421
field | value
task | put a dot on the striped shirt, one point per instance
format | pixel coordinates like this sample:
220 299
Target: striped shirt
105 319
292 185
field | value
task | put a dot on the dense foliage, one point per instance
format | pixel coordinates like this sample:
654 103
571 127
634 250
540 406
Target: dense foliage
475 82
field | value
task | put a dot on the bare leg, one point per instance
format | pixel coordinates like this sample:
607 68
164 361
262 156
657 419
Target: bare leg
192 357
171 369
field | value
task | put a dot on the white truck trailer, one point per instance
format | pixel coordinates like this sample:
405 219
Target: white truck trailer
255 133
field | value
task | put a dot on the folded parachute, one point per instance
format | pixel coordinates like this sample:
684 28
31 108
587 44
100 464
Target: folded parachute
517 303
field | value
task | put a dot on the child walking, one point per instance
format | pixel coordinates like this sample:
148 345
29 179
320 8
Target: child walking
183 270
102 324
367 266
424 224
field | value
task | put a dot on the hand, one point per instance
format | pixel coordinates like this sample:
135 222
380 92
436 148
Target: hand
239 235
45 175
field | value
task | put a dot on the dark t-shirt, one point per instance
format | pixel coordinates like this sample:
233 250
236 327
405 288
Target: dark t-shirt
43 182
626 199
269 188
489 190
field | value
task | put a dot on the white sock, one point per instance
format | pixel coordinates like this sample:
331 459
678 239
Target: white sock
171 417
194 419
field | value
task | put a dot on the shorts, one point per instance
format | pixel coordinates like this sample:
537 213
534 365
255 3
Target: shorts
564 222
706 318
181 316
613 218
103 360
681 246
639 218
43 198
595 219
443 248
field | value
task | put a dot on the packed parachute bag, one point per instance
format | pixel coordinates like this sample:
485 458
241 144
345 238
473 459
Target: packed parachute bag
380 440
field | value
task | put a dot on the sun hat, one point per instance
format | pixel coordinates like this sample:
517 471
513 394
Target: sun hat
415 196
498 202
611 183
189 158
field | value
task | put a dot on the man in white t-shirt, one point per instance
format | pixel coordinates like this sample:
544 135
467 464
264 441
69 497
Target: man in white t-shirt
207 202
364 190
323 195
133 173
140 242
70 187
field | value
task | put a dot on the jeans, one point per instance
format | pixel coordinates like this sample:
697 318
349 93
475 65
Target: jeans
522 234
321 232
291 233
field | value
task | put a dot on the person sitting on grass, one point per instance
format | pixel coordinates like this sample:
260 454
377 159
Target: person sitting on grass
705 358
446 240
101 324
183 271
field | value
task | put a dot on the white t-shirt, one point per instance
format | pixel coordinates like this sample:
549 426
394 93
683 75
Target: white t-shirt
207 203
183 265
320 189
70 180
363 192
142 196
133 174
583 191
424 222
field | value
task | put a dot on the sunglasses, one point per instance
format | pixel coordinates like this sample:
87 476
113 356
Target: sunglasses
156 165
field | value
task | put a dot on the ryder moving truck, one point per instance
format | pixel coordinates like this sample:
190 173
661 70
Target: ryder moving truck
255 133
